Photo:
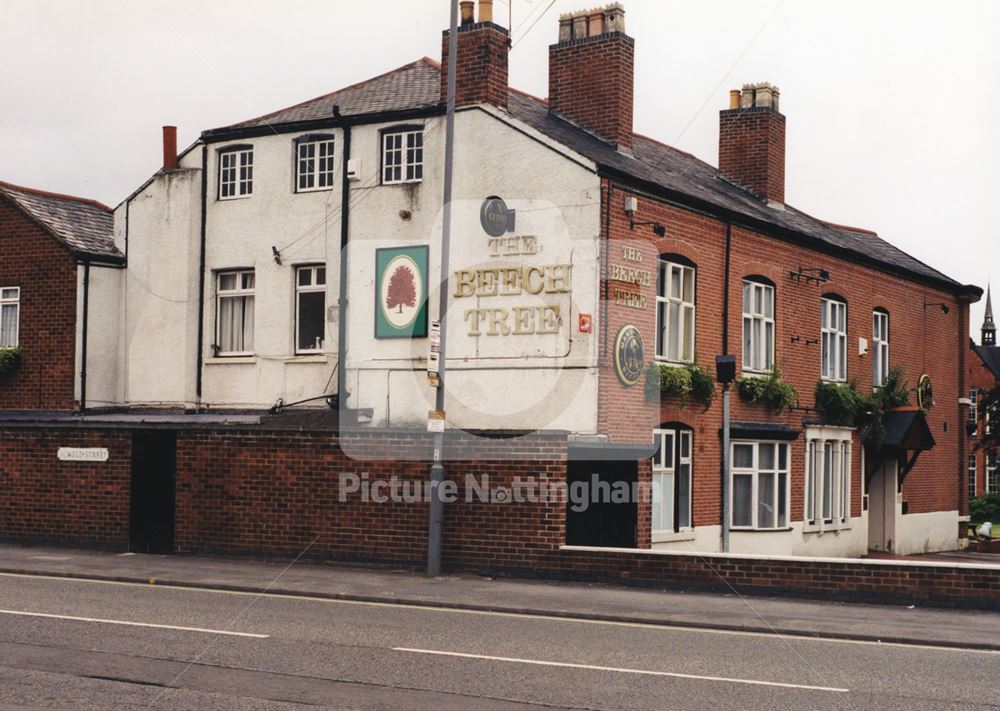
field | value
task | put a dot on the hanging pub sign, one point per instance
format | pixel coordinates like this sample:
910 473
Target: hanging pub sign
495 217
630 356
401 292
925 393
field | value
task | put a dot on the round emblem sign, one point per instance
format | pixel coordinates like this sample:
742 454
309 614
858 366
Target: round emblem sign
630 357
925 392
401 285
493 216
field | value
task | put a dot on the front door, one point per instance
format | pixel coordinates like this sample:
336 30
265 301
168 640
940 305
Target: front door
882 508
154 463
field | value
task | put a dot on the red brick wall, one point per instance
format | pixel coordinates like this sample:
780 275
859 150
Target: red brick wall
46 273
591 82
46 500
481 64
752 149
278 492
918 337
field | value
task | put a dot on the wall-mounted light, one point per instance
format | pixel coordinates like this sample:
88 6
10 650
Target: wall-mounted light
944 307
658 229
810 275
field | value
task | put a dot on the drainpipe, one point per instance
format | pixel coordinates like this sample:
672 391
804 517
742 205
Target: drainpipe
83 344
725 392
201 276
345 224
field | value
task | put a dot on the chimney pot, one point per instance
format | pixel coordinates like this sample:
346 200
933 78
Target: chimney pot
614 18
579 26
565 28
467 12
169 148
734 99
595 23
486 10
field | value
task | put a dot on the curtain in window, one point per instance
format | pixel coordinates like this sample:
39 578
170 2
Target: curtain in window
236 324
8 326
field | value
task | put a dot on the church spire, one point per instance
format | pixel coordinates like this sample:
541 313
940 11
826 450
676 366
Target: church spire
989 328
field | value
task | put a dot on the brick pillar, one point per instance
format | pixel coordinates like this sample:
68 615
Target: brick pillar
752 141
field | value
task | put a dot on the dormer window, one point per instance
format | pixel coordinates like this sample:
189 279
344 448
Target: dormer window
313 163
236 172
402 156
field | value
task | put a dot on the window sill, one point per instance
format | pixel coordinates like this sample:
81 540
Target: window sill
313 190
671 536
308 358
660 360
231 360
835 381
826 528
234 197
733 529
403 182
745 373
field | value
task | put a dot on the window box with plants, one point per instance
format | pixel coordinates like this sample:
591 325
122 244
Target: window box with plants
684 383
843 404
768 389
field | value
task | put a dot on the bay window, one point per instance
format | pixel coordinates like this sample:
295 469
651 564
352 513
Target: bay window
828 477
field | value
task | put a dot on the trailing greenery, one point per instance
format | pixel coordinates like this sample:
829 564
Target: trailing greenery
841 403
687 383
768 390
985 508
10 360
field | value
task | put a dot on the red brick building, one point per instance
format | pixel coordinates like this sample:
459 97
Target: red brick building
687 262
50 244
983 377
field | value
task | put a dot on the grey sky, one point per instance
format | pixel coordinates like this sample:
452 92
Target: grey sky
891 106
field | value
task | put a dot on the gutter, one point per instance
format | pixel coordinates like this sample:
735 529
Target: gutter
216 135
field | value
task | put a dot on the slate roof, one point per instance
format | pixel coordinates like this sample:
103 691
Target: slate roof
417 86
990 355
413 86
85 226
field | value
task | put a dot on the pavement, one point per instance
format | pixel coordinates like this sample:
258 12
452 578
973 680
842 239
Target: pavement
966 629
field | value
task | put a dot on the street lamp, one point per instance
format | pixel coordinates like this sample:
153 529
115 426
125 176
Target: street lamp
725 373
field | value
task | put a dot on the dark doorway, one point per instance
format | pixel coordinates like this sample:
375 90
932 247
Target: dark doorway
604 522
154 463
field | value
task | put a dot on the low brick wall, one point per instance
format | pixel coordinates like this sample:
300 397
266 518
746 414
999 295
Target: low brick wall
275 493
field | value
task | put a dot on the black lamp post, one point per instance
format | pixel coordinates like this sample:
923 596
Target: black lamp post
725 373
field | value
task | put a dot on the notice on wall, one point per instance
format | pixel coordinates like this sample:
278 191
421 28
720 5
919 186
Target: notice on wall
83 454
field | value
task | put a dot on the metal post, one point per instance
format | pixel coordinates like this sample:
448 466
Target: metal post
725 468
436 523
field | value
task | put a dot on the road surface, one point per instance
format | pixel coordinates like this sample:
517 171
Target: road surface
88 644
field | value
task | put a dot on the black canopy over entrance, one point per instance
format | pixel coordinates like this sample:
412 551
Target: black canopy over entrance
905 435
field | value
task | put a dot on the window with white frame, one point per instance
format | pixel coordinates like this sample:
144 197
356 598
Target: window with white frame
675 313
671 509
758 326
10 316
880 347
759 485
973 464
828 478
236 173
403 156
235 313
314 163
310 309
992 473
974 411
833 339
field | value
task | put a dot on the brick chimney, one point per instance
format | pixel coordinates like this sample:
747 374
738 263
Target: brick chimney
481 76
592 73
169 148
752 140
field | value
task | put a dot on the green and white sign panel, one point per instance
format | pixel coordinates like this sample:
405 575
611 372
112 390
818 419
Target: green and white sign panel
401 292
